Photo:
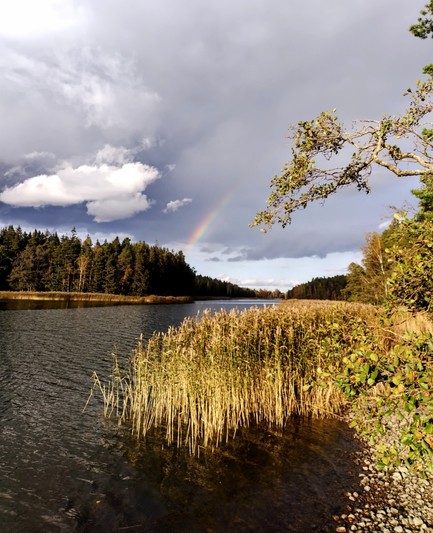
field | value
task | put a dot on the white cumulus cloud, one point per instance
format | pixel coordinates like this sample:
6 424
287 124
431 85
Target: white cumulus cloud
118 208
110 192
174 205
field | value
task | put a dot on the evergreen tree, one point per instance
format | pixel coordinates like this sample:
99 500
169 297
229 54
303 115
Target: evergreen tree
141 279
12 242
425 197
126 263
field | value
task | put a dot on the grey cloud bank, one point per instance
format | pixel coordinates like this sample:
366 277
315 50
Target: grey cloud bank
166 121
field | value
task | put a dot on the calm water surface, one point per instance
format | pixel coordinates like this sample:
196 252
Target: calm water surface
62 470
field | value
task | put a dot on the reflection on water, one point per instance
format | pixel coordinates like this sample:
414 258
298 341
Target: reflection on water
62 470
259 482
28 305
197 307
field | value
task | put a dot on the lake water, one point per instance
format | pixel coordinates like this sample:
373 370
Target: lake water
62 470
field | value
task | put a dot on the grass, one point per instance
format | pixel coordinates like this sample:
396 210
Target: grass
204 380
91 297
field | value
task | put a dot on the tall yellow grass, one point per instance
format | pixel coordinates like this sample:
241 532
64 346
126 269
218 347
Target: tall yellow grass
200 382
92 297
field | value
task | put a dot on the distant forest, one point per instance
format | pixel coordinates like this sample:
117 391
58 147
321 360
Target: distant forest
44 261
331 288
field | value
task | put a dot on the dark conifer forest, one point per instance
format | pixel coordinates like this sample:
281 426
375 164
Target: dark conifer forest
320 289
44 261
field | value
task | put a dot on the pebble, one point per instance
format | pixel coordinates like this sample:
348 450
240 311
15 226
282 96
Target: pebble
396 501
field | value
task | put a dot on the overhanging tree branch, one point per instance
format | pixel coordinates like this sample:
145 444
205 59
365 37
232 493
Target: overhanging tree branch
308 177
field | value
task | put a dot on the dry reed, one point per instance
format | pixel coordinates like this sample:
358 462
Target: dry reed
215 373
92 297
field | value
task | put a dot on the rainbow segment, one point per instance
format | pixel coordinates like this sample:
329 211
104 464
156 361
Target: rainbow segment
201 229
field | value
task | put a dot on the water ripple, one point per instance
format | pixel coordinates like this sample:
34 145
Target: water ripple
67 471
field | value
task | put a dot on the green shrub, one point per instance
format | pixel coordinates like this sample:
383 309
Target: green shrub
391 394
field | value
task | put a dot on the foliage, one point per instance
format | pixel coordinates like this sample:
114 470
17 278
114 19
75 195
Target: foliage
411 281
390 390
368 283
329 288
356 284
309 177
425 197
424 26
397 266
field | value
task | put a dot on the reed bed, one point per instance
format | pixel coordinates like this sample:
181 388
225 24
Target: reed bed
92 297
202 381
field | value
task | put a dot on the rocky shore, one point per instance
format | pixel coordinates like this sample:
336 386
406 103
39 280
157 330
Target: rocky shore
398 501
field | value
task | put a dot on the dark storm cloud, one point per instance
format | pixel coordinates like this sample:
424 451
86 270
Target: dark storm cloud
204 93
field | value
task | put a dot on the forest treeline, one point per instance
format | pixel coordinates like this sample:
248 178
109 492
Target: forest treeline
325 288
45 261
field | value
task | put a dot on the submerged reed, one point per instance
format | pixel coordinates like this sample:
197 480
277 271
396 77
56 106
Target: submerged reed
213 374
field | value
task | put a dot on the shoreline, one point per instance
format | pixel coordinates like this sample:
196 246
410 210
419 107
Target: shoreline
57 296
397 500
92 297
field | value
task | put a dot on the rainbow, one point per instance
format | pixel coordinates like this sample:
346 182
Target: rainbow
200 230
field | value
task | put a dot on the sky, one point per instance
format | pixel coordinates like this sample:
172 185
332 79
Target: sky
164 121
